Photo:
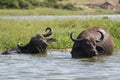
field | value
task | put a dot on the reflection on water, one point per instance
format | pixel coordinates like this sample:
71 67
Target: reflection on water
58 65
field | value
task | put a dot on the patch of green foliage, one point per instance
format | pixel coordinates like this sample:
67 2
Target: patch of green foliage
28 4
15 31
16 4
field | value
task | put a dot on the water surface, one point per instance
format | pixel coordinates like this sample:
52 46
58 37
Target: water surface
52 17
58 65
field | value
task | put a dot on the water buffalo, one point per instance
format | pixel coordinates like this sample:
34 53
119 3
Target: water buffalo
37 44
92 42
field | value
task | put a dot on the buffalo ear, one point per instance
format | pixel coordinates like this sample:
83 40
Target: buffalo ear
51 40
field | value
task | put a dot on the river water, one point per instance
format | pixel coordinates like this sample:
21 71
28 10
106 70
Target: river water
50 17
58 65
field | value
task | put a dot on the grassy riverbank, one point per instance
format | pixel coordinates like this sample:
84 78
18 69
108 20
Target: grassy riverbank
58 7
15 31
37 11
50 11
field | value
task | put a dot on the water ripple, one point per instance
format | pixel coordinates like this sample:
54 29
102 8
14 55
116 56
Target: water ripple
58 65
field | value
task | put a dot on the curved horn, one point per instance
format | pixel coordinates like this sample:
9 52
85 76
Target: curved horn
101 38
49 33
75 40
19 45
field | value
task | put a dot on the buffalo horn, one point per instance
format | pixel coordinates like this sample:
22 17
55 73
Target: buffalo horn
19 45
101 38
75 40
49 33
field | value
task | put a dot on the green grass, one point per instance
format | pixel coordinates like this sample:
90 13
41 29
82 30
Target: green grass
50 11
15 31
37 11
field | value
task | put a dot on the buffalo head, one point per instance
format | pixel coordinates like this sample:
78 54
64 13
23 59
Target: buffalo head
38 43
91 42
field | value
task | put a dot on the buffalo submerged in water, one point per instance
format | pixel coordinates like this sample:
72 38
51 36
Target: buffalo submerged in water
37 44
92 42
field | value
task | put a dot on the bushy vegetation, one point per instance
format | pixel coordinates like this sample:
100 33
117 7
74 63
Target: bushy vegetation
16 4
62 6
13 31
28 4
